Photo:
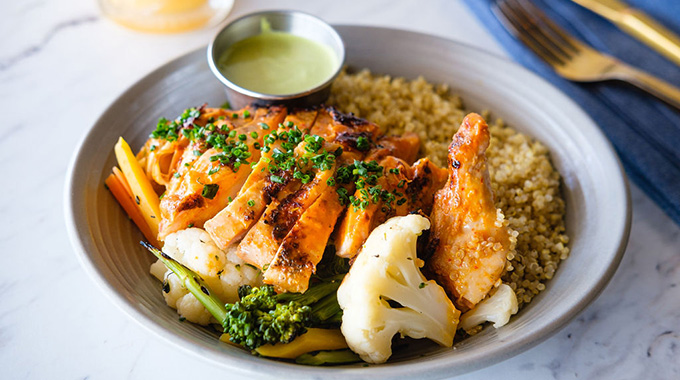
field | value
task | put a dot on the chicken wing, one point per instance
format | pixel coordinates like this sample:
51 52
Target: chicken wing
469 240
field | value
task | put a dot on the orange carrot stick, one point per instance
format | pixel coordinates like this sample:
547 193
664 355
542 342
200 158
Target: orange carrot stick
125 199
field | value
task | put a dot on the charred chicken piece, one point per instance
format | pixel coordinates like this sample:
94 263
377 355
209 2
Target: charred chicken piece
469 239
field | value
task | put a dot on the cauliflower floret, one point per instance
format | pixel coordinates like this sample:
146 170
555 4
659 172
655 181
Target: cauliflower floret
194 248
193 310
235 274
386 270
223 271
497 309
173 289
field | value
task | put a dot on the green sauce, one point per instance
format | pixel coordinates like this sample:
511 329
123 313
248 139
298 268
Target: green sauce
278 63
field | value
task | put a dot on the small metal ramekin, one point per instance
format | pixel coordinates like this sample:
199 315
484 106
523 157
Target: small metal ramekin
293 22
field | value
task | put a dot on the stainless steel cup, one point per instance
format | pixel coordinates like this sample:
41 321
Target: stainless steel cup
293 22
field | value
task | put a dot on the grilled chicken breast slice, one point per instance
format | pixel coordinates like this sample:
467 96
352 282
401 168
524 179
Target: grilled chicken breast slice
185 203
261 242
468 236
414 188
304 245
233 222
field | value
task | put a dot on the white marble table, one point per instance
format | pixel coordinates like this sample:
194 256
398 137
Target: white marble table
61 64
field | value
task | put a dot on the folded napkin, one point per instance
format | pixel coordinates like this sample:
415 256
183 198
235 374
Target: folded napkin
644 130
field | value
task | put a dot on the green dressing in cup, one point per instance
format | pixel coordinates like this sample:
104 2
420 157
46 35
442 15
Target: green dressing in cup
278 63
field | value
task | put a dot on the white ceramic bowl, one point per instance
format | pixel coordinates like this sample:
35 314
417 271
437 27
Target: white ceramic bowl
598 209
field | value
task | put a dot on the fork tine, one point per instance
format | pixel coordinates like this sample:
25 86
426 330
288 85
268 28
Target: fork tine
529 16
521 30
552 28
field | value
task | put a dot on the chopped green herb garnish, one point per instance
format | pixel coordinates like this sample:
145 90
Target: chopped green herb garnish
210 190
363 144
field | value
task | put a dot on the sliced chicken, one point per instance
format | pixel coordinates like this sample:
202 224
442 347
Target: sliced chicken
404 147
413 189
232 223
261 242
161 157
469 239
358 222
303 247
290 230
203 186
425 179
344 129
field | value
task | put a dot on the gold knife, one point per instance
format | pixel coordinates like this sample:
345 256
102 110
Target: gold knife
638 24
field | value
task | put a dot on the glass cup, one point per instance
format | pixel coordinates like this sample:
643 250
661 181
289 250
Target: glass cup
166 16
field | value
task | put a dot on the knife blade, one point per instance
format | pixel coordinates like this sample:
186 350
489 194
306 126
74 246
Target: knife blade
637 24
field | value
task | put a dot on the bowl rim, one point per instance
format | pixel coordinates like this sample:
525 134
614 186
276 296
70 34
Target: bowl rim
212 59
437 367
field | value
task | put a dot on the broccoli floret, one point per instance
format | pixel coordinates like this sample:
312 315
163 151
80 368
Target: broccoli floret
258 318
262 316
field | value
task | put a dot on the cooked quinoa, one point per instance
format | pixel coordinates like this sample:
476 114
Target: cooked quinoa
525 183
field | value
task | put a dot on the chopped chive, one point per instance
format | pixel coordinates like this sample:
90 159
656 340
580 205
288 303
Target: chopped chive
210 190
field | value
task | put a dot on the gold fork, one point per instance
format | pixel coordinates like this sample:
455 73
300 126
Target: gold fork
571 58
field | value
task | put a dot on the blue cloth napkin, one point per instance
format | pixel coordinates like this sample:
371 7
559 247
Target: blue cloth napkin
644 130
